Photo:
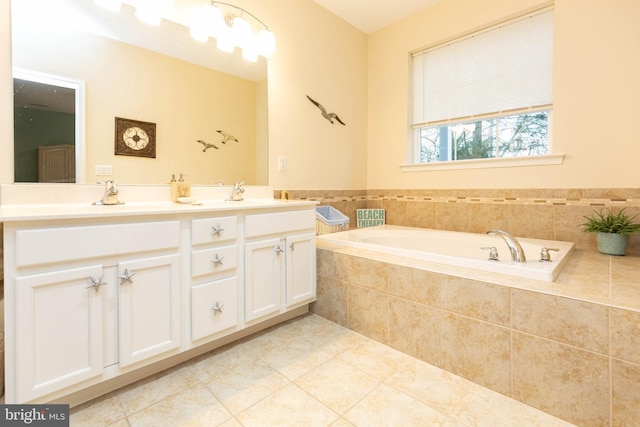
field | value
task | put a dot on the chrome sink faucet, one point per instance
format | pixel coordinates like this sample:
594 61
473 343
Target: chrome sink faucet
110 196
236 192
517 253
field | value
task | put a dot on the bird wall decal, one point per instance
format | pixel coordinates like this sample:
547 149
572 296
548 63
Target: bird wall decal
206 145
227 137
328 116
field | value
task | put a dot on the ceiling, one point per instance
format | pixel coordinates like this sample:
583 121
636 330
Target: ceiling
370 16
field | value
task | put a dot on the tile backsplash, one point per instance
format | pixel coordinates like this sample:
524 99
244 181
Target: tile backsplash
554 214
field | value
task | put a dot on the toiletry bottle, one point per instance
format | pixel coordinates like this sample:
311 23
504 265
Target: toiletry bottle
180 189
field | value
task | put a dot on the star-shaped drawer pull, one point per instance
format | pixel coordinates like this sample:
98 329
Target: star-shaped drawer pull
216 230
217 308
217 260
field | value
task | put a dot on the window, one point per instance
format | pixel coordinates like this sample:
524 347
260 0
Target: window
487 95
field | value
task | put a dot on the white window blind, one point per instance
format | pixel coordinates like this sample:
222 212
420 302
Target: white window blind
502 69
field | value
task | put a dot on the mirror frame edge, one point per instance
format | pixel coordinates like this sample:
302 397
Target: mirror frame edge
6 59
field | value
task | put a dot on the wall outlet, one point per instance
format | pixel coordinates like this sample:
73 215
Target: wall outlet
282 163
104 170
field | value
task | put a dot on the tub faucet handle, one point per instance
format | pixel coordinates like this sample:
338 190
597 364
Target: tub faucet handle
493 253
544 254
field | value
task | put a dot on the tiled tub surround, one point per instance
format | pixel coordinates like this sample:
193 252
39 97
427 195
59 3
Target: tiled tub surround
569 348
551 214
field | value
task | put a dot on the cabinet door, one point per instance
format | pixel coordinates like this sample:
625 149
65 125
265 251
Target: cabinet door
301 268
264 275
214 307
59 330
149 299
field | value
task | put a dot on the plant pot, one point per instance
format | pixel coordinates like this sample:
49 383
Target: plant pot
612 243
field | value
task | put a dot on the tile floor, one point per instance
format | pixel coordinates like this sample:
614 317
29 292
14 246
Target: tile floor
307 372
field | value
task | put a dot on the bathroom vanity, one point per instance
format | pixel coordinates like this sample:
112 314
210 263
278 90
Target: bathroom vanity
100 296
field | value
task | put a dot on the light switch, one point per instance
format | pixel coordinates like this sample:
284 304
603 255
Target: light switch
104 170
282 163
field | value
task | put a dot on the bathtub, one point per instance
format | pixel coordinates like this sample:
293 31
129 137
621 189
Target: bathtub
457 249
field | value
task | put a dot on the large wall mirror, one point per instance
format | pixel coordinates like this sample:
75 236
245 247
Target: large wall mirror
125 69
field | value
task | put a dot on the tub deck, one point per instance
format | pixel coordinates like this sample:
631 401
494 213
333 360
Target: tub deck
458 249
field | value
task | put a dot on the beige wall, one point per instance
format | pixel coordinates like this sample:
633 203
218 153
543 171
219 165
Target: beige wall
596 88
323 57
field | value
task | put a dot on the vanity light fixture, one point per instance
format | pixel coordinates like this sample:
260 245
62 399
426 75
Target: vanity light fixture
112 5
232 30
148 11
224 22
151 11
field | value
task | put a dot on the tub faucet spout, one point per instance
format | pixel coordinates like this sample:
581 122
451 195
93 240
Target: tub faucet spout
517 253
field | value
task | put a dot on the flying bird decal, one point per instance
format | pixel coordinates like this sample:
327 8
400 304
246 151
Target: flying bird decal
328 116
227 137
206 145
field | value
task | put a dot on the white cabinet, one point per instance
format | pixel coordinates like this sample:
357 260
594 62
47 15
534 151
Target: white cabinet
214 307
215 280
61 326
280 262
149 307
90 300
264 274
301 268
75 316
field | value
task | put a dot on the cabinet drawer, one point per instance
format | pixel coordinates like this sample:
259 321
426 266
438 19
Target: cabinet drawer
212 230
56 244
214 307
214 260
279 222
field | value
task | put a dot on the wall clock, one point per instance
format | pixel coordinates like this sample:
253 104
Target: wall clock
135 138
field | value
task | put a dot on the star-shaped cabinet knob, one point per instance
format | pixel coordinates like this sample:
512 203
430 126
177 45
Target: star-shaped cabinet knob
126 276
96 283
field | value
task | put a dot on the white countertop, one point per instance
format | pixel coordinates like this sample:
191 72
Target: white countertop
71 211
73 201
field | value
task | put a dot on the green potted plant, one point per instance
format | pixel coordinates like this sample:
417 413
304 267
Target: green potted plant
612 230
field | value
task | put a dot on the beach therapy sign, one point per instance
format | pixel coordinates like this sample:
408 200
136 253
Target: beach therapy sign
370 217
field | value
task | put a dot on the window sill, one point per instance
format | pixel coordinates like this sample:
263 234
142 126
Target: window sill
503 162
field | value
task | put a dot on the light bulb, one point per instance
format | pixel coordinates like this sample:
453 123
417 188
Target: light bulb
205 22
225 40
241 31
214 18
250 50
113 5
150 12
148 16
266 43
198 26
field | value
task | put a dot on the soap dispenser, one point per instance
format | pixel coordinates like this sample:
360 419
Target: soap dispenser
180 188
